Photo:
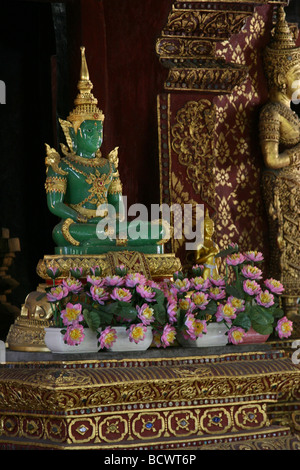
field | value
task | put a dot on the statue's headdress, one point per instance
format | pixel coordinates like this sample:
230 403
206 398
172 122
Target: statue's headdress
85 102
282 53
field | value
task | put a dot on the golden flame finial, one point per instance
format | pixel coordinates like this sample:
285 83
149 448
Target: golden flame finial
283 38
85 102
282 53
84 72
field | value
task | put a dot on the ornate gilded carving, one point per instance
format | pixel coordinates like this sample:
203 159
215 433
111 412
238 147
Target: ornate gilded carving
192 140
133 402
187 46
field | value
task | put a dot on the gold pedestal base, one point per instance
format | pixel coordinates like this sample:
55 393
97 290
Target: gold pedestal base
27 333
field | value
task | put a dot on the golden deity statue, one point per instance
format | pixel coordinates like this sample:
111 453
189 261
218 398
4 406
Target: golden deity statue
206 252
280 144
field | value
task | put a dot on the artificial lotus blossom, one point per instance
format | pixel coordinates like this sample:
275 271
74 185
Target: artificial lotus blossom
216 293
168 336
133 279
186 304
200 300
198 283
74 334
146 292
226 312
274 286
145 314
120 293
236 335
73 285
137 332
71 314
235 259
284 327
195 328
114 280
255 256
265 299
182 285
99 294
251 272
57 293
76 272
238 304
218 281
107 338
172 310
95 280
251 287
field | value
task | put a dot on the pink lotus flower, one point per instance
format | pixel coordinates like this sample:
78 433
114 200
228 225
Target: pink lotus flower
131 280
274 286
99 294
76 272
182 285
189 321
254 256
251 287
235 259
107 338
236 334
186 304
95 280
238 304
172 310
53 272
197 268
226 312
218 281
168 336
137 333
145 314
284 327
95 270
73 285
216 293
71 314
251 272
120 293
157 339
198 283
114 280
265 299
194 327
57 293
146 292
200 299
74 334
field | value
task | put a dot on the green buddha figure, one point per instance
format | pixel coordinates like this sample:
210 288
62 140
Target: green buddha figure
84 189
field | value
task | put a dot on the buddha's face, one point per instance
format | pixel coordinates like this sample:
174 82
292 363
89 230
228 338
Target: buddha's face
209 229
89 137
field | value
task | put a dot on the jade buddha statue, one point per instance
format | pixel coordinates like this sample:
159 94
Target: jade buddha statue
82 184
280 144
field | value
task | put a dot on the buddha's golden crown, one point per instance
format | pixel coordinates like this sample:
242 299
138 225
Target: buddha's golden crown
282 53
85 102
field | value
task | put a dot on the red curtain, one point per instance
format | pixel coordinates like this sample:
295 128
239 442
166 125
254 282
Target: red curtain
120 37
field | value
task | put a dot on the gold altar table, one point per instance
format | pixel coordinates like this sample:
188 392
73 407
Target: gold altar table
171 400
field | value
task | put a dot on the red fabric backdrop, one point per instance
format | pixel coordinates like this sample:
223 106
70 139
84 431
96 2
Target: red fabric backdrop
120 38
